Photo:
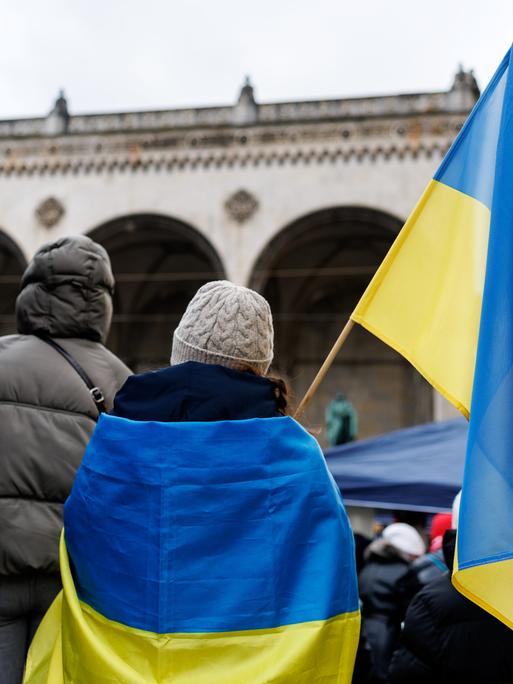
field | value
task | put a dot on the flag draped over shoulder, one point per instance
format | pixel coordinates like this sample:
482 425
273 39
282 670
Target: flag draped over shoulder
202 553
443 298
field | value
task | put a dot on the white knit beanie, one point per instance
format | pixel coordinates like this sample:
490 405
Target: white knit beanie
225 324
405 538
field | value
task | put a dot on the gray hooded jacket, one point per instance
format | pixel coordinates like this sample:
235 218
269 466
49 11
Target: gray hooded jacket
46 412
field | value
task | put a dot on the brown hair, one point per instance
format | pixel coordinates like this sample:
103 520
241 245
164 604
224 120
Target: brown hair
280 387
281 392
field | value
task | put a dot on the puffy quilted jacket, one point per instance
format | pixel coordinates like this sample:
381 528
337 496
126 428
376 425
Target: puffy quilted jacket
46 412
447 639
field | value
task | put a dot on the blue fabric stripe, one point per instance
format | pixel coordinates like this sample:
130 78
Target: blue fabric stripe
486 527
469 166
208 527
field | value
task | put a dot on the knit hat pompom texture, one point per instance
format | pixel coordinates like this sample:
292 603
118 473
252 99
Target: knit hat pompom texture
228 325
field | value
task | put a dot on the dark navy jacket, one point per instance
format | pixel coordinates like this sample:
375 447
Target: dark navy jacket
195 392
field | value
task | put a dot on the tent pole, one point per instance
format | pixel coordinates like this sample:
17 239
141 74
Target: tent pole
323 370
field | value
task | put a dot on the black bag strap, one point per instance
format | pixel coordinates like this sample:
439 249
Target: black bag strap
94 391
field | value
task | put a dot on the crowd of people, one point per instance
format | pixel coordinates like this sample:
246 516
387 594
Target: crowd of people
416 627
57 377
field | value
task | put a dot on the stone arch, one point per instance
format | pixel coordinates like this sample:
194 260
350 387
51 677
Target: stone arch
12 265
159 262
313 272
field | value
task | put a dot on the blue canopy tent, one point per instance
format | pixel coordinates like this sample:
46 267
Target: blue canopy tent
416 469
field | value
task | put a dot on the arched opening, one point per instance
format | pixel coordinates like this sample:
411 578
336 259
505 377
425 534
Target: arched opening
313 273
159 263
12 265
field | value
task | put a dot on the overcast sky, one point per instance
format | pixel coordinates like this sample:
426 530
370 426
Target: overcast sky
113 55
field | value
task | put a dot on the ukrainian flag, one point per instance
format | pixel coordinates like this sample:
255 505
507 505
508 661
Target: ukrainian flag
443 298
202 553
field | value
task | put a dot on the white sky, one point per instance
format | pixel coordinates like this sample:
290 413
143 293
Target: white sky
113 55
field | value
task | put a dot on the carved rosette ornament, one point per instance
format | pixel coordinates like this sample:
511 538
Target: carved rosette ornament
241 205
50 212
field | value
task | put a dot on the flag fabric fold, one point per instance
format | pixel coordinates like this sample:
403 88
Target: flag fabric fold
443 298
202 553
425 300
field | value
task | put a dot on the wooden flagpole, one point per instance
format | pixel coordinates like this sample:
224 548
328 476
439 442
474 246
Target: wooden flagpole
324 369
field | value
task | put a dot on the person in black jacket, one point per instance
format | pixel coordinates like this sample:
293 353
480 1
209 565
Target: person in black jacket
431 565
448 639
383 606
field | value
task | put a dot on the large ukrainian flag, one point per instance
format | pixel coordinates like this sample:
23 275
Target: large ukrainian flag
443 298
202 553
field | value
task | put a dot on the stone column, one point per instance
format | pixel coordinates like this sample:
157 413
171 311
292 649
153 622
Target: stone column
442 409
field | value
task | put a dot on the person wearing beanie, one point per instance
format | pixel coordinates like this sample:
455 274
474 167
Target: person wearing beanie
204 539
220 355
388 560
47 414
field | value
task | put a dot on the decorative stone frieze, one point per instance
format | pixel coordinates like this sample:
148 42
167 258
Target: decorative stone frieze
246 135
250 145
217 159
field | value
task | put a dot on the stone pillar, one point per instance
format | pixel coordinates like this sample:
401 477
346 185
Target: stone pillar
362 520
442 409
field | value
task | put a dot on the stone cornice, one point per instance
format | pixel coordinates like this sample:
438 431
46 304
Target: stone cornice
456 100
365 131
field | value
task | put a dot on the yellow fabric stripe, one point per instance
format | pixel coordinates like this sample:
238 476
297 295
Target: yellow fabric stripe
489 586
425 299
74 644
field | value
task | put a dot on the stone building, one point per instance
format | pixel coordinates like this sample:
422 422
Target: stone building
299 200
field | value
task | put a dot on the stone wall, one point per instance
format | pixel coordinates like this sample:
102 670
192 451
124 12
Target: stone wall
231 182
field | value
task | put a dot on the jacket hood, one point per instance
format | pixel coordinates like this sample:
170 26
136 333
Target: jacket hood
385 552
67 290
195 392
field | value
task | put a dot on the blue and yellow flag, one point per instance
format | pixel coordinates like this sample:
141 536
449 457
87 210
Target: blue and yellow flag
202 553
443 298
